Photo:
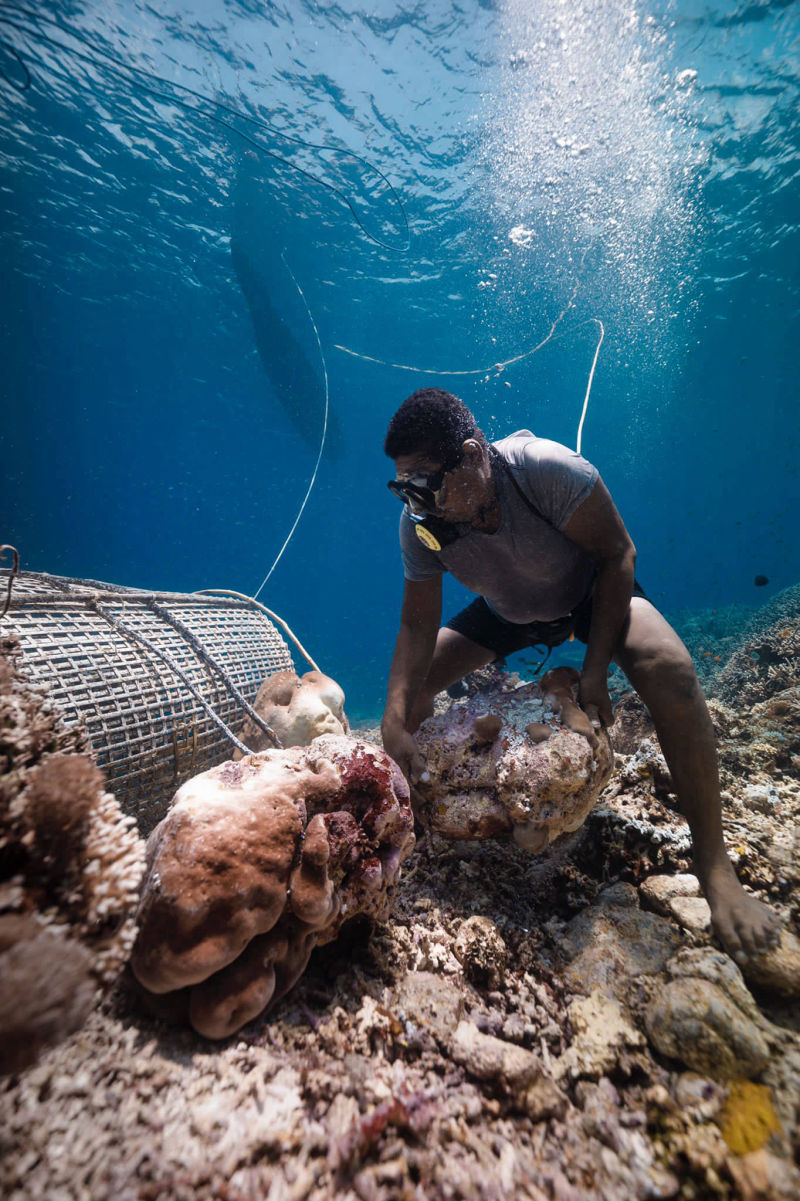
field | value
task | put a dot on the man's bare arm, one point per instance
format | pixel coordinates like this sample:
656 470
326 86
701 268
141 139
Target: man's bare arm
419 624
597 527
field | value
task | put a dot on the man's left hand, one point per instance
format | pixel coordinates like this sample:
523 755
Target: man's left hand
595 700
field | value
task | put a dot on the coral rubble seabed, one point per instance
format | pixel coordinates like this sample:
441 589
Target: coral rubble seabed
498 1034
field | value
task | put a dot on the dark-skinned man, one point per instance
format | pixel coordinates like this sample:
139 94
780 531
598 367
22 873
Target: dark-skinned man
530 527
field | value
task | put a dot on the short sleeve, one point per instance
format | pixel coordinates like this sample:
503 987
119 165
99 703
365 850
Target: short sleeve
419 563
555 478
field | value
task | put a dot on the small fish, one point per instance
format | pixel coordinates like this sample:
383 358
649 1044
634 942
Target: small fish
760 581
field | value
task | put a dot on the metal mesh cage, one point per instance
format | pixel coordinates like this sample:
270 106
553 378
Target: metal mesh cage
101 651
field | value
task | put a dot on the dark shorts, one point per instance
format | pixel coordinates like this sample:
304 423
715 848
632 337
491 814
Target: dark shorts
480 624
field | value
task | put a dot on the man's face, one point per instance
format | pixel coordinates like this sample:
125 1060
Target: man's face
458 496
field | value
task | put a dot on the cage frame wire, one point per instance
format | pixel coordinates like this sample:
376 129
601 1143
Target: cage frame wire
86 643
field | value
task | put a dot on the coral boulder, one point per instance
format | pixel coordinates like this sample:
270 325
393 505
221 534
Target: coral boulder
525 763
297 709
259 861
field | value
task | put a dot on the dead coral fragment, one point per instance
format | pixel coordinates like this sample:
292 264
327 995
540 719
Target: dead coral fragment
530 768
705 1017
258 862
481 950
490 1058
778 969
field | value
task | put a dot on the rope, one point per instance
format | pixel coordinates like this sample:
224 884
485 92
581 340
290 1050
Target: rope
197 646
589 384
322 440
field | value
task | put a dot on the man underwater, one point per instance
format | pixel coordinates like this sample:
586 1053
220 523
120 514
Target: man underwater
530 527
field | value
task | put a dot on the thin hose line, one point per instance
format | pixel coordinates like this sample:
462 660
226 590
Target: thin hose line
495 367
498 367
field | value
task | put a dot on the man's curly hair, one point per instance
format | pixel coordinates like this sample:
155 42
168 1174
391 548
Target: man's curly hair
433 422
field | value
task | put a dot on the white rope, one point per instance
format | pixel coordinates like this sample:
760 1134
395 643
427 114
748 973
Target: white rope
589 384
498 367
322 440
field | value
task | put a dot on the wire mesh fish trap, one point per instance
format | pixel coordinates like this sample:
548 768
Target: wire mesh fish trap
150 676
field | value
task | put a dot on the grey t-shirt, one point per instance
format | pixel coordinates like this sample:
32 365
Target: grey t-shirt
527 570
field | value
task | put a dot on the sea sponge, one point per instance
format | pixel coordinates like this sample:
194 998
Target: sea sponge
259 861
525 763
748 1119
297 708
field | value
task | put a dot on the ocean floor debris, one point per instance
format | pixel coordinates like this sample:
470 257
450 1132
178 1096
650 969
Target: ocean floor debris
358 1085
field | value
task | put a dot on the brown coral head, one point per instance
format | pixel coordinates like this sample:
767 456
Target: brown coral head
538 731
218 867
253 867
486 727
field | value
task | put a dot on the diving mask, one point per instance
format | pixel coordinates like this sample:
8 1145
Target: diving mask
419 492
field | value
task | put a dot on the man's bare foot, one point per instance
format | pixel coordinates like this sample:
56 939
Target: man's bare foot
744 925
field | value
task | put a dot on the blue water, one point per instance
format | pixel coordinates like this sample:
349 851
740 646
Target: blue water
491 169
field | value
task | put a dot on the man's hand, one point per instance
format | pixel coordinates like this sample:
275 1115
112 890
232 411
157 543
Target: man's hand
402 747
595 700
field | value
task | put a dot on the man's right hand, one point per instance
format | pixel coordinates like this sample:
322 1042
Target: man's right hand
403 748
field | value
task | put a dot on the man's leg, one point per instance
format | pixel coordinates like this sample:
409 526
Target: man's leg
454 657
660 668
